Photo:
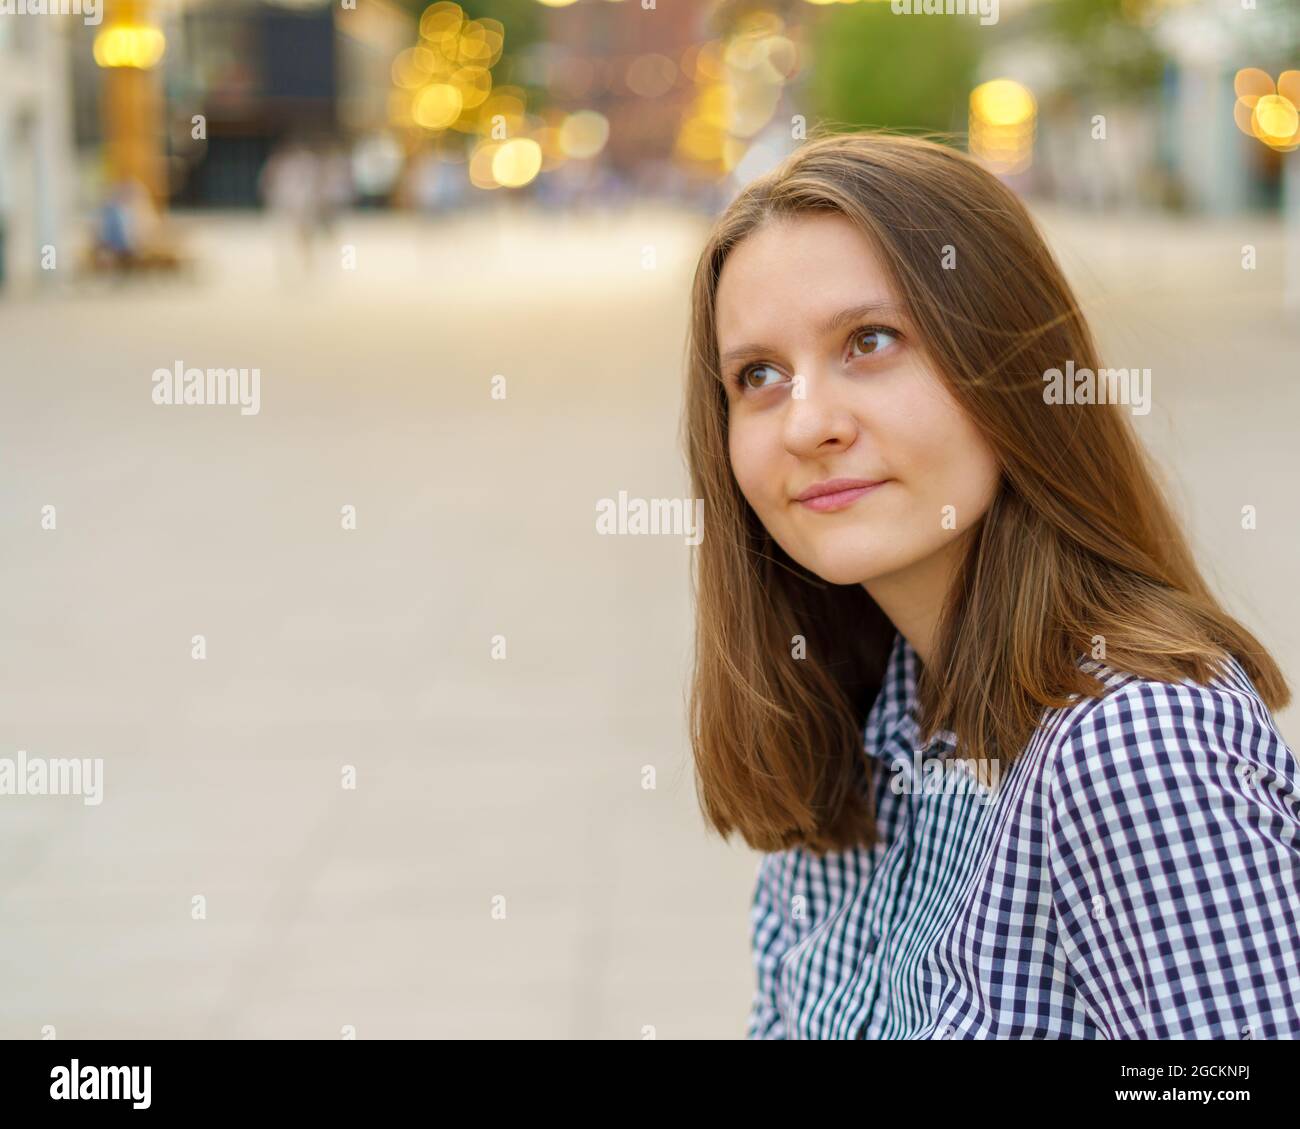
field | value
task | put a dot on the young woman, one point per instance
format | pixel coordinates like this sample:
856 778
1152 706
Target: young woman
1074 815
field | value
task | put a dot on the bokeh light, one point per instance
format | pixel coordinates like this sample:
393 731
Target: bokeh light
1003 117
584 134
129 45
1266 111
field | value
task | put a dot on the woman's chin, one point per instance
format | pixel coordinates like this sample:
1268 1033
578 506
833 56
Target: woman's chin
847 568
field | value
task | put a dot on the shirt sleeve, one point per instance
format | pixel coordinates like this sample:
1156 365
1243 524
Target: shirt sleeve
1174 852
769 933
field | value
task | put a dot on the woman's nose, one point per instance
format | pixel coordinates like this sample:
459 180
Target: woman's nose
817 415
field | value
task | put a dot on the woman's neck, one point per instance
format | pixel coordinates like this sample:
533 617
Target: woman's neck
913 597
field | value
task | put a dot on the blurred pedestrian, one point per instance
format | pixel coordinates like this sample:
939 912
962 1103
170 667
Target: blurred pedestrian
290 186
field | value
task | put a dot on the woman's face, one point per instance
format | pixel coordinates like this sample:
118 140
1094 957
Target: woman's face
834 385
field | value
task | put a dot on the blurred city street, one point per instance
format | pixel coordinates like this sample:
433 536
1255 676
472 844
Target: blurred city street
394 737
481 782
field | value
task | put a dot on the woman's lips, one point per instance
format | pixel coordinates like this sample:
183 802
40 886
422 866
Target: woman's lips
838 499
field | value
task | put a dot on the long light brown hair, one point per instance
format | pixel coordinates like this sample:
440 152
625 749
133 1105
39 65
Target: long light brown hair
1079 541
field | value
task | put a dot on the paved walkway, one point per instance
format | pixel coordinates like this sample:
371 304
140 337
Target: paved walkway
481 783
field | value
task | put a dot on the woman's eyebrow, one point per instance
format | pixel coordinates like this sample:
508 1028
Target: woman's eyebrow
829 325
853 313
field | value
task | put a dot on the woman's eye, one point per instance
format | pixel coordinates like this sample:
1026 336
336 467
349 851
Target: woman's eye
874 340
747 378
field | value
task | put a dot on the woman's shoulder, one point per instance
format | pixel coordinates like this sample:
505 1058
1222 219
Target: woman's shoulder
1171 832
1154 743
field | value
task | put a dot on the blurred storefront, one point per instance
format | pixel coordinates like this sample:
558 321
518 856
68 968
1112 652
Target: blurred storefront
434 107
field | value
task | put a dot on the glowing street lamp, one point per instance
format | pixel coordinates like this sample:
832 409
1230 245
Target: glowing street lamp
1267 111
1003 115
129 47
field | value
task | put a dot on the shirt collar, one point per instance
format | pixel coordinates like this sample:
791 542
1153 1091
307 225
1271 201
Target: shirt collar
892 728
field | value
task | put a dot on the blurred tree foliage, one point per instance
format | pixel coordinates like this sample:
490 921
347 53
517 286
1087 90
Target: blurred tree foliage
1102 45
523 24
873 68
523 18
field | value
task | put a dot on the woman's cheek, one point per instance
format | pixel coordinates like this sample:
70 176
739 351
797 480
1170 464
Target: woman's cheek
753 470
964 468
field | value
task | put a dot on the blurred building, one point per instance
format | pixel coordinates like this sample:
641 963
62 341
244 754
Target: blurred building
1221 169
257 75
626 63
1163 95
36 151
260 75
